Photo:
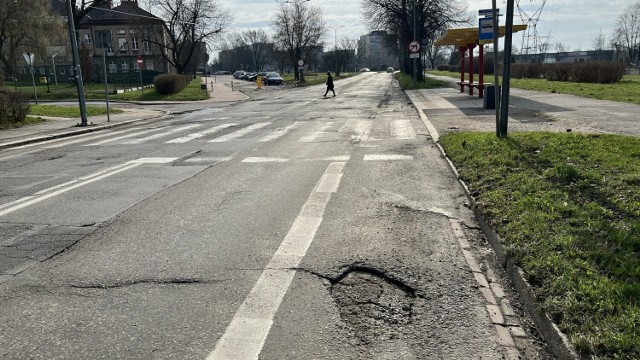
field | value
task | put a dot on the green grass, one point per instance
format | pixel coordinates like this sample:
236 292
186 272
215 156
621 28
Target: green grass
96 92
68 111
567 209
627 90
406 82
30 120
315 78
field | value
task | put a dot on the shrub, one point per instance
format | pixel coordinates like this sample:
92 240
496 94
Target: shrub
168 84
528 71
442 67
14 107
586 72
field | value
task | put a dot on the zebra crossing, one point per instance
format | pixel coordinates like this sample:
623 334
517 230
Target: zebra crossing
361 130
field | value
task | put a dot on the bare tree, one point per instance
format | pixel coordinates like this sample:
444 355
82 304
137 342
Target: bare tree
396 17
81 8
189 25
599 43
298 29
25 26
257 42
627 32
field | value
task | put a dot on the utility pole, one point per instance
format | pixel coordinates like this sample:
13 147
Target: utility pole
76 65
508 35
415 35
496 67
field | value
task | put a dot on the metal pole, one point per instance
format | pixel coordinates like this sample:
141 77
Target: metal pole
415 67
76 65
335 47
55 74
33 80
106 87
504 111
496 68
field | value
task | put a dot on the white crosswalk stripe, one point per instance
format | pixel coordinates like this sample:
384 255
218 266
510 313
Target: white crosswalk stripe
240 133
402 130
200 134
278 133
167 133
118 138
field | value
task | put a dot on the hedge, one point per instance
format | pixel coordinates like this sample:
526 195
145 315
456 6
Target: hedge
14 107
168 84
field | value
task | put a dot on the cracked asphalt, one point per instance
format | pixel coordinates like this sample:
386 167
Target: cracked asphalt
309 228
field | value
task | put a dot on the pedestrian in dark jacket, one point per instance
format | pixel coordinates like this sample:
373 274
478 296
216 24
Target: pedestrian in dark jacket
329 85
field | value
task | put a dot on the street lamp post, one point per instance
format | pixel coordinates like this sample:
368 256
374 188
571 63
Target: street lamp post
335 44
55 75
76 63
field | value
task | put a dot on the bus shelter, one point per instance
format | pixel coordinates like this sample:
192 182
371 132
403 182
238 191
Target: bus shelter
466 39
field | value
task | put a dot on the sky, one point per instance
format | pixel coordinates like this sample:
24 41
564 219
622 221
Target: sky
573 23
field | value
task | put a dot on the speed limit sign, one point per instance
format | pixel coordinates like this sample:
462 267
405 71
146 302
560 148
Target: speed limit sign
414 47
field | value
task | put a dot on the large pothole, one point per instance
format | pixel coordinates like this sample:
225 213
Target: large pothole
368 299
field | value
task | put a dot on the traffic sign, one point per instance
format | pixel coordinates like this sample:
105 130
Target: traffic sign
485 31
488 12
414 47
414 56
140 61
28 57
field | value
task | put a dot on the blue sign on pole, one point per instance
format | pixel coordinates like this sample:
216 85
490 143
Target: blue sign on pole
485 31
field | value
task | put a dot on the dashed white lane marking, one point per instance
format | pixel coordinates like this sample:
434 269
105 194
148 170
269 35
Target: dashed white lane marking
402 130
74 184
277 133
332 158
241 132
264 160
246 334
200 134
387 157
166 133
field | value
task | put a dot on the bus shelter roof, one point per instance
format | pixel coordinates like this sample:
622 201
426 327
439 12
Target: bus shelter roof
465 36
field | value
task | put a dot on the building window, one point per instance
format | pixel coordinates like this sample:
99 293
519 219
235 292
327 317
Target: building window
134 44
87 38
120 31
125 66
62 71
113 67
147 47
122 45
149 65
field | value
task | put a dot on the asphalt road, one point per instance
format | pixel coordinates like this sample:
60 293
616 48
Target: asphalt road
290 227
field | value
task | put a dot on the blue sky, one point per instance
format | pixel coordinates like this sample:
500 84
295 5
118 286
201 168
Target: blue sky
574 23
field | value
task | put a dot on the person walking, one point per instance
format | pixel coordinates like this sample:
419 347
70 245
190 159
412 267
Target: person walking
329 85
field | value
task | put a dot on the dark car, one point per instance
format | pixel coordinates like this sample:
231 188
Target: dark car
273 78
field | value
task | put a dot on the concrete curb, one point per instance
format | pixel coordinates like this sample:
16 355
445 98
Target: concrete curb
556 340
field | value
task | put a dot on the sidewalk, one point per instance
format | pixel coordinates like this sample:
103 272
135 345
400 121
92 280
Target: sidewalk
219 88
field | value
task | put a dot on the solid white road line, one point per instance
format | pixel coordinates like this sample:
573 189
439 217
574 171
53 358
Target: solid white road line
200 134
152 137
388 157
208 159
246 334
74 184
241 132
402 130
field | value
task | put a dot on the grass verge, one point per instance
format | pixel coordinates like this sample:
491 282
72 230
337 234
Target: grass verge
627 90
567 209
96 92
68 111
30 120
406 82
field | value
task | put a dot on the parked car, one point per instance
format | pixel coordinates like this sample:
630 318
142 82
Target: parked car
238 74
273 78
390 69
364 70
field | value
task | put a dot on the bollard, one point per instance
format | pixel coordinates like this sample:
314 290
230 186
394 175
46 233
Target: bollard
232 86
259 81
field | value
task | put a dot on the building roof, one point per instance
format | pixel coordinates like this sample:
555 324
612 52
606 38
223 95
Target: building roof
126 12
465 36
